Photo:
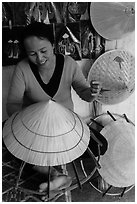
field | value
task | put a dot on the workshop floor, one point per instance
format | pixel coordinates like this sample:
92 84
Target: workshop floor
30 180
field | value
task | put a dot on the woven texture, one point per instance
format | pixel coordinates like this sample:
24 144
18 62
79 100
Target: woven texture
46 134
115 70
113 20
105 119
118 163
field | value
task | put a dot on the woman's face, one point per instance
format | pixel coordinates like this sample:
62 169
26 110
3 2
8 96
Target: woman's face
39 51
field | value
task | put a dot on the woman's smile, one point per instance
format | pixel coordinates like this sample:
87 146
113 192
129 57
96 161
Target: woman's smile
40 51
41 63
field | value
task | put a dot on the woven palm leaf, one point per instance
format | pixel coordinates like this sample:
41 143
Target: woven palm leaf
118 163
46 134
115 70
113 20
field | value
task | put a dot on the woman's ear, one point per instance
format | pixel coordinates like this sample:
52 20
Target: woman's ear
53 48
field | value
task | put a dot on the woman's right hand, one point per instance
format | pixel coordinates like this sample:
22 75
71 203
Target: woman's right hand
95 87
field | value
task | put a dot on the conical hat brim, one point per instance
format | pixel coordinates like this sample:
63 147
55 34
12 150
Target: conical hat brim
118 163
119 82
46 134
113 20
105 119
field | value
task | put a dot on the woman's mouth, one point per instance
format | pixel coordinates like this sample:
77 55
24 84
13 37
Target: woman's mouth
42 62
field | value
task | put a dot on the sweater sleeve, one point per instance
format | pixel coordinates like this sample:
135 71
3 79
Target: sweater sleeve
80 84
17 87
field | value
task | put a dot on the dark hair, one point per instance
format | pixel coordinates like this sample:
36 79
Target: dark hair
40 30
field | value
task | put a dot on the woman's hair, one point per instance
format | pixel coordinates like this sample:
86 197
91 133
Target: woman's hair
40 30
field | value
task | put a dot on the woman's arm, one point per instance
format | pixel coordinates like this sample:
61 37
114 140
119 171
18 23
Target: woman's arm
13 107
87 91
16 92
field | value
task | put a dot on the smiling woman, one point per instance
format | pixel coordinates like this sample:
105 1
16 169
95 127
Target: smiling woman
38 40
40 52
43 76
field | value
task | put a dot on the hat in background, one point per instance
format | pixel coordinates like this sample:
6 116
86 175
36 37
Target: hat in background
118 163
113 20
115 70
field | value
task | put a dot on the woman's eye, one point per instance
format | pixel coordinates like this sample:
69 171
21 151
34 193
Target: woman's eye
43 51
31 54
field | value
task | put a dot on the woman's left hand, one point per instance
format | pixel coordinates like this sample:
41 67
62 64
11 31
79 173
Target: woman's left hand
95 87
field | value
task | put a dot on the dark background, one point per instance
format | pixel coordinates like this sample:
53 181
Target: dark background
75 16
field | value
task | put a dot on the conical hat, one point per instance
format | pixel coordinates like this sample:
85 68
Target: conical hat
115 70
113 20
118 163
46 134
104 119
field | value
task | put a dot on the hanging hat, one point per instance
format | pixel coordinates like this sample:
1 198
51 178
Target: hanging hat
118 163
46 134
113 20
115 70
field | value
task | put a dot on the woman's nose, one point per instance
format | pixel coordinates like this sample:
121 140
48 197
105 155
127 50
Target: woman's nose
39 57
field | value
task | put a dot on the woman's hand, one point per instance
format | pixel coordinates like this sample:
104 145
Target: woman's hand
95 87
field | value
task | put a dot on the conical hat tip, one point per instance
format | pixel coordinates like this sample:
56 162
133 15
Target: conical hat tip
51 101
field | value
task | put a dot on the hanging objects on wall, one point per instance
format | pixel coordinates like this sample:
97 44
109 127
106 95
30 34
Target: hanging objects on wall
57 12
28 11
35 11
4 15
115 70
118 163
92 44
76 10
12 50
68 40
7 13
87 40
8 45
46 12
113 20
16 49
46 134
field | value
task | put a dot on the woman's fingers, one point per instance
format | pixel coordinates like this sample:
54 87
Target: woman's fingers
95 87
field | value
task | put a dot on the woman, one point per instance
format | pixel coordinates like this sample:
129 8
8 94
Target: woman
44 75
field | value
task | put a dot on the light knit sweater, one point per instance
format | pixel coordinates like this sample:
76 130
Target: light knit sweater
26 90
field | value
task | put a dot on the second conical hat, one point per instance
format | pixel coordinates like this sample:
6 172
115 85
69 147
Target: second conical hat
46 134
118 163
115 70
113 20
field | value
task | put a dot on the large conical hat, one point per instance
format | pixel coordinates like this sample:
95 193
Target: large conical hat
46 134
118 163
115 70
113 20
